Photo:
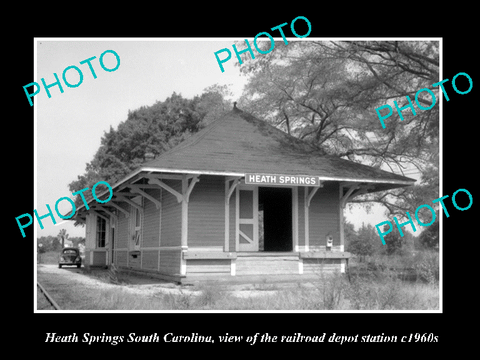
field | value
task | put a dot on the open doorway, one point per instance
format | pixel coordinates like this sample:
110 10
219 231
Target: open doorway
275 219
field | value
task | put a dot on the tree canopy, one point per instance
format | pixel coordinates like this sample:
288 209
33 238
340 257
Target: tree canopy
150 130
326 93
364 242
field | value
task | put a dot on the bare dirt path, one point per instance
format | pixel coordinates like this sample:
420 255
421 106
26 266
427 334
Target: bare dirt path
56 281
59 282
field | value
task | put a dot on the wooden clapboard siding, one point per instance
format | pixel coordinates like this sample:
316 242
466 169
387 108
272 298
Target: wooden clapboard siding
134 260
150 259
123 228
208 266
311 266
90 233
265 265
170 261
151 220
206 213
121 257
98 258
324 216
301 216
171 217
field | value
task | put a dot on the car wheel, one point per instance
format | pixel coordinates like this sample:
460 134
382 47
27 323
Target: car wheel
59 266
78 266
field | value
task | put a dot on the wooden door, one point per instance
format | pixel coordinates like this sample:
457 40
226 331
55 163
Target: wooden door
247 212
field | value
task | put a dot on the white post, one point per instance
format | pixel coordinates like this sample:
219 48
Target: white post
184 240
307 226
340 215
227 218
295 218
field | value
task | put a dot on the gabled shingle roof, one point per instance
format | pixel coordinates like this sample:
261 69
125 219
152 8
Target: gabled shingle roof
239 143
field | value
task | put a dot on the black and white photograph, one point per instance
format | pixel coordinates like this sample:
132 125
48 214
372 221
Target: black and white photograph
296 174
283 185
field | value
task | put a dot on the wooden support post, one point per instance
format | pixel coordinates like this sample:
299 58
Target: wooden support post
228 194
307 220
184 213
184 239
226 246
308 198
233 267
342 203
340 215
295 218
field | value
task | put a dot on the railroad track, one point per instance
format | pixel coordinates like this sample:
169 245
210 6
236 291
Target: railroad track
48 297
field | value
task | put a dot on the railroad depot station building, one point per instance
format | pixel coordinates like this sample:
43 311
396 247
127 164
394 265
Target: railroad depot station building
236 199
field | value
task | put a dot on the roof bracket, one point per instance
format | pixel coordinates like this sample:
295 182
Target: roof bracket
345 198
166 187
137 190
361 191
231 188
310 194
99 207
125 212
132 203
187 193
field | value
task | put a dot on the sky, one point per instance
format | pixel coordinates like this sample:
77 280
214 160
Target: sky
69 125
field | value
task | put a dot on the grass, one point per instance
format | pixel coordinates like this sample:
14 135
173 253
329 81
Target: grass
335 293
376 284
49 257
420 266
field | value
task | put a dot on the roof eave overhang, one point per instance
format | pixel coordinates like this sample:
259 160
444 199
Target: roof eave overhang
150 170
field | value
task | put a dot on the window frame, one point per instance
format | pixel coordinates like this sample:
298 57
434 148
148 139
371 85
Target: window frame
100 241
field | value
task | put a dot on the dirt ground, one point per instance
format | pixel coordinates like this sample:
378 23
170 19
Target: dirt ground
51 277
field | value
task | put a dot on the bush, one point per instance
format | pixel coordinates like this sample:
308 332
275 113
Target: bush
429 237
49 257
182 301
209 295
382 290
332 291
362 243
393 243
427 267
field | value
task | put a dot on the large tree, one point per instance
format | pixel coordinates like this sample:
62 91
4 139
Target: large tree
326 93
150 130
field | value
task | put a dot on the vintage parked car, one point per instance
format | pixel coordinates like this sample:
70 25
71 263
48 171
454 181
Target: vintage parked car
70 256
